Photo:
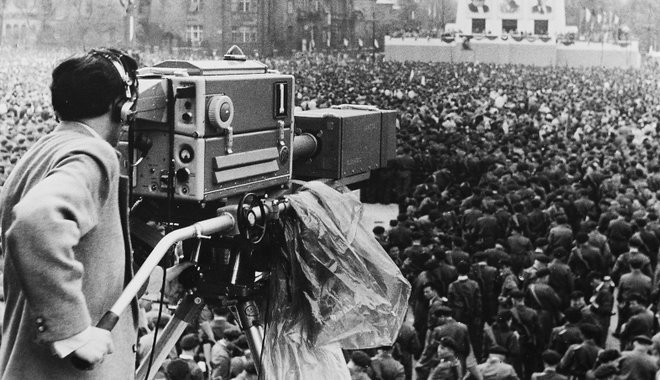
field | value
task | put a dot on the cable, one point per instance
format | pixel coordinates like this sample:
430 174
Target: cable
160 314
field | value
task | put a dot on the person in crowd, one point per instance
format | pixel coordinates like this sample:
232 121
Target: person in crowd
385 367
542 297
501 333
495 367
526 324
568 334
189 344
486 277
608 356
561 278
606 372
360 366
580 358
464 298
550 361
407 346
637 363
601 302
640 322
449 367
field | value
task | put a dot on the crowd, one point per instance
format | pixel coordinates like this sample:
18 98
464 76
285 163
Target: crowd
529 216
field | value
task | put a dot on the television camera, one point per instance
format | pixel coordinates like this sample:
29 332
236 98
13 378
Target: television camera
212 148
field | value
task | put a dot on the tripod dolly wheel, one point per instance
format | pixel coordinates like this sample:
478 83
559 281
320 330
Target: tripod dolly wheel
250 227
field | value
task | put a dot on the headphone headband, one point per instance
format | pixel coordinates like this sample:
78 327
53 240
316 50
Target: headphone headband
128 78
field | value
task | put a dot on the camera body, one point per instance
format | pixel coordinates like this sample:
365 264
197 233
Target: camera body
354 140
207 130
206 133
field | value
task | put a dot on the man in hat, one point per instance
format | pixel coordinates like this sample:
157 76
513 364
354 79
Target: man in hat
526 323
486 277
541 297
637 363
561 277
561 235
585 258
601 302
495 368
606 372
562 337
385 367
580 358
458 332
550 360
640 322
634 282
464 298
540 262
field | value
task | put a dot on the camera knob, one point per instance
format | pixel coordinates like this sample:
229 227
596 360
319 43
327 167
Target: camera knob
183 175
220 111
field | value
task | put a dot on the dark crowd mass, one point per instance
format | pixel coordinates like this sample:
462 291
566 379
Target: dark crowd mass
528 216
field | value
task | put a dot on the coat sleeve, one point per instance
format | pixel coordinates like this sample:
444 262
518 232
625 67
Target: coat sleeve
48 223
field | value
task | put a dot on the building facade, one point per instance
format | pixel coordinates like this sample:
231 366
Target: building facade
266 27
257 26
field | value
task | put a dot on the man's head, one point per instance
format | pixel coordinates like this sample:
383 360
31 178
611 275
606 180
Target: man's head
517 297
91 85
447 345
429 291
550 358
189 342
577 299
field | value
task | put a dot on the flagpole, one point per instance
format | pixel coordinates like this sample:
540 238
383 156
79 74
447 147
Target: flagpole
373 34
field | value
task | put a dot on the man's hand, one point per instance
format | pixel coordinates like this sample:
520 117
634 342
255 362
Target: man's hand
173 288
95 350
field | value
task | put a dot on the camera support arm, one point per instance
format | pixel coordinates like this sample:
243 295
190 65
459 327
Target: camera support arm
211 226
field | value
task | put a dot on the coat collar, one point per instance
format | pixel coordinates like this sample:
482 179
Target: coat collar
78 127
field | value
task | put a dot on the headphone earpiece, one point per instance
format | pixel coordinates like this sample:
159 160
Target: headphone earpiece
122 109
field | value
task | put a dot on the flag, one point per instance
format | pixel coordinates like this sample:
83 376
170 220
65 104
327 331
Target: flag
376 44
412 74
345 42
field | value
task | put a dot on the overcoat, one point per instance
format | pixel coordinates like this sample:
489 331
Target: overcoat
66 256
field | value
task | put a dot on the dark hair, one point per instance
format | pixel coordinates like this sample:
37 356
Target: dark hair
86 86
462 267
361 359
178 369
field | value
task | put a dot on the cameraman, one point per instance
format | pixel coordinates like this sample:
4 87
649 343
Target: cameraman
64 232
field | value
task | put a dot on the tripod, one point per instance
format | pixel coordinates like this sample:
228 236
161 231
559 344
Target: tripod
250 218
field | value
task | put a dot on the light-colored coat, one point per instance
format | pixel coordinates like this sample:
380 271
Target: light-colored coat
66 259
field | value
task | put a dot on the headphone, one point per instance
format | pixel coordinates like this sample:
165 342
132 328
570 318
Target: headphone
123 110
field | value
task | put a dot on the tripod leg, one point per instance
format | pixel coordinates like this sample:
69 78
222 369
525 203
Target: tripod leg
247 313
186 312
